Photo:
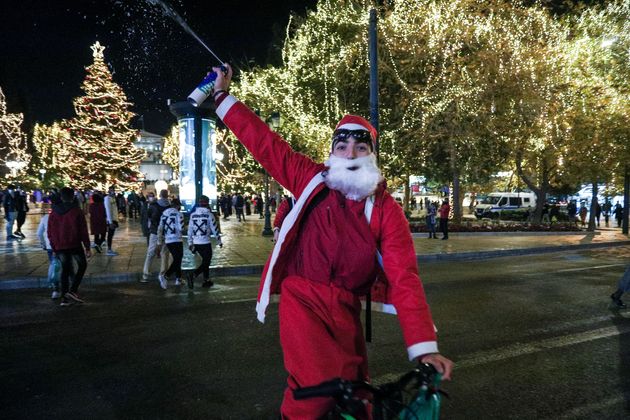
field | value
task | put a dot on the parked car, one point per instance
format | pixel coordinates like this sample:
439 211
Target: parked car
494 203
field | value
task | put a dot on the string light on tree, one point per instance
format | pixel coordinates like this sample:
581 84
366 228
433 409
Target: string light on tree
13 146
100 135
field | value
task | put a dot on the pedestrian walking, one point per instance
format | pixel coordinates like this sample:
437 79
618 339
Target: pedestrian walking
111 213
607 209
239 206
201 227
598 212
444 211
623 286
286 205
323 262
21 206
259 207
133 204
170 233
572 211
272 204
121 202
583 212
546 217
154 214
9 203
430 219
54 267
248 205
618 212
70 242
98 221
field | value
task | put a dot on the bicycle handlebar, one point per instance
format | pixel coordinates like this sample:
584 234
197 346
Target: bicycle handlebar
338 387
325 389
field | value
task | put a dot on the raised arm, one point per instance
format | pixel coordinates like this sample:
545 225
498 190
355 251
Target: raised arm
291 169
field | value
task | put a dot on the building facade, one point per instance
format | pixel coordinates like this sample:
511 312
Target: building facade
152 166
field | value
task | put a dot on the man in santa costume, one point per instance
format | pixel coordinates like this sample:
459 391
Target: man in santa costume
327 253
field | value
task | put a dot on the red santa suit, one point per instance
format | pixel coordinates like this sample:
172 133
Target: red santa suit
323 266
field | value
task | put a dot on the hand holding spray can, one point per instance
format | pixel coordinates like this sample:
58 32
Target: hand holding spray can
205 88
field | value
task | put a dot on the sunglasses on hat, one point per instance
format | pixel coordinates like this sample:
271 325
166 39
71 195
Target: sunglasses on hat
342 134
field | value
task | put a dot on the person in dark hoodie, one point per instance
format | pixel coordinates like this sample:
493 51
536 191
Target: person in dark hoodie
98 221
70 242
154 213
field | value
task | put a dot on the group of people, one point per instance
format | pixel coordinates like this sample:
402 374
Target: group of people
63 233
433 211
165 222
15 205
243 204
607 210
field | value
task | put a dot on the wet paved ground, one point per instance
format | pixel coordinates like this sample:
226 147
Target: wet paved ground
24 264
533 337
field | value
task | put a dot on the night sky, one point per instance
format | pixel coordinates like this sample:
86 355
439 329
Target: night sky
45 47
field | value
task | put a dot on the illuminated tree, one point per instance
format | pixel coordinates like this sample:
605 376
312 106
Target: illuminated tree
467 88
12 141
598 109
170 154
101 137
53 147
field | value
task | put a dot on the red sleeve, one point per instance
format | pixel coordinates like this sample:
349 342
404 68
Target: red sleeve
291 169
281 213
401 268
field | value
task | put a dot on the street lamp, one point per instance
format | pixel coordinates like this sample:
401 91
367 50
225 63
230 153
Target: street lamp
274 123
42 172
14 166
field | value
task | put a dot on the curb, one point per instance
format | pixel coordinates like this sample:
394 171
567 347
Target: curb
480 255
251 269
523 233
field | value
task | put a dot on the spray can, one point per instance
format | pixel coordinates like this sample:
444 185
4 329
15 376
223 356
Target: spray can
205 88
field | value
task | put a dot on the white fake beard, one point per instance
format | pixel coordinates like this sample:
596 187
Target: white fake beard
355 184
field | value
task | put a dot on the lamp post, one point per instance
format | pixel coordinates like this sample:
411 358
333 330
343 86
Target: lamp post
42 173
15 166
274 123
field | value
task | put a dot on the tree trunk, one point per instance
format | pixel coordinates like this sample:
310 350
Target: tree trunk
456 205
540 191
591 217
457 201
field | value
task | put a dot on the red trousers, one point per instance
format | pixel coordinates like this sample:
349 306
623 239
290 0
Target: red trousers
322 338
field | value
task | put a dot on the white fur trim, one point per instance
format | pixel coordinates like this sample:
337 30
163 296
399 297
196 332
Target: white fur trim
225 106
287 225
352 126
386 308
369 206
420 349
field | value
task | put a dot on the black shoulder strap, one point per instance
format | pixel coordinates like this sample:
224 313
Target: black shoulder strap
319 197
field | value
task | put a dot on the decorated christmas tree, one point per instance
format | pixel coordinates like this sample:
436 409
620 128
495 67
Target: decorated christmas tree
100 136
12 141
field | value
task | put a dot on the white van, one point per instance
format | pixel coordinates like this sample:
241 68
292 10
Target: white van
492 205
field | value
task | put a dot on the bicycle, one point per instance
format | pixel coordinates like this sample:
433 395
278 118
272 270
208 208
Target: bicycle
415 395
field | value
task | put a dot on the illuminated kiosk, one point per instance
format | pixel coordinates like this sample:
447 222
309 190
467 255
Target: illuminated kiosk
197 152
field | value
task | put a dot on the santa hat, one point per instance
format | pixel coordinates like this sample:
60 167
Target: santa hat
355 122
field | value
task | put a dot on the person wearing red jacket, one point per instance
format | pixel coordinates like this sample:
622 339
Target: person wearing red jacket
444 211
286 205
70 243
327 251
